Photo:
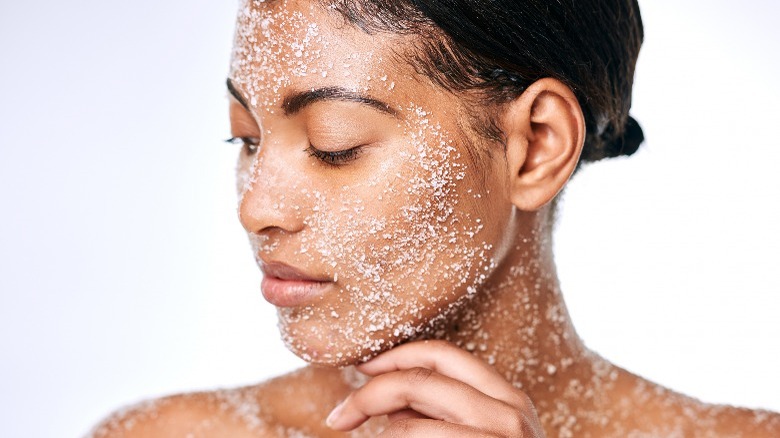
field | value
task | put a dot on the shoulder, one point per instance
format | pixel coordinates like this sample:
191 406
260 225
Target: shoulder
741 422
224 412
292 405
648 409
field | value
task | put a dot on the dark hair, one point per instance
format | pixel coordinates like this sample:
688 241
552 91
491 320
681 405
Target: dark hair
502 47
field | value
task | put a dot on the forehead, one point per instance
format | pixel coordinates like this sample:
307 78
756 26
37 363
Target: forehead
299 44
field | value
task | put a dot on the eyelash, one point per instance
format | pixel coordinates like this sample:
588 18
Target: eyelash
250 144
335 159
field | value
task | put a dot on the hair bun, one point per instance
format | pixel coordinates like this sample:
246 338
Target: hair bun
629 142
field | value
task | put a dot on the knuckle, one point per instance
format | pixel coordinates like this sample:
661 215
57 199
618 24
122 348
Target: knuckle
522 422
527 425
418 375
523 401
517 423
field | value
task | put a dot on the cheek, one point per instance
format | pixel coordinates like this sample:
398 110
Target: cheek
408 248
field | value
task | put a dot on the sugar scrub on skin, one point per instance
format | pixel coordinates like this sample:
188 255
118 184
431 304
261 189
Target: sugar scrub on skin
398 229
397 269
419 243
402 229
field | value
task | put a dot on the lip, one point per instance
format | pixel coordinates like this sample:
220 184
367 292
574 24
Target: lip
286 286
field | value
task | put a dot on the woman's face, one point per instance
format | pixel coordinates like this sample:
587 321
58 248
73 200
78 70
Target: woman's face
357 184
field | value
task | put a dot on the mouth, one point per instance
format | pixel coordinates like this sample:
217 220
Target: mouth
286 286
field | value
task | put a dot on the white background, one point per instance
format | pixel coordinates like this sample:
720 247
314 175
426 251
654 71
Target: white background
125 275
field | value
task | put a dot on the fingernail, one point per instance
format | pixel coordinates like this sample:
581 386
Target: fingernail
334 414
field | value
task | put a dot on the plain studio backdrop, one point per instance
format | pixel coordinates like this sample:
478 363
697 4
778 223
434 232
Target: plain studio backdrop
125 274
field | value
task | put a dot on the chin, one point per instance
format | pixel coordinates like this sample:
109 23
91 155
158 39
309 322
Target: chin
337 359
346 342
334 346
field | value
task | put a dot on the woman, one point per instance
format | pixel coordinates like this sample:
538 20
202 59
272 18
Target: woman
398 181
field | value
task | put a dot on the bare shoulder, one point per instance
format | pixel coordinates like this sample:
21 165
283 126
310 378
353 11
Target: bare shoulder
668 413
646 409
218 413
740 422
292 405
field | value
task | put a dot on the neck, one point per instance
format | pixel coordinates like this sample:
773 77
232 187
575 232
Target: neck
519 323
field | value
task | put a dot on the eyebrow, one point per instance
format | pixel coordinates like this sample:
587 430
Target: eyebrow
299 100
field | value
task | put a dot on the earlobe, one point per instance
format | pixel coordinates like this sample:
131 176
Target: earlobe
544 129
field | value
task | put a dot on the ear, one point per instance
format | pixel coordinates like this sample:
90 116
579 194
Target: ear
544 130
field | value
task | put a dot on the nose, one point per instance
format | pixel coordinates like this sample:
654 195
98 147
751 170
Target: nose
268 200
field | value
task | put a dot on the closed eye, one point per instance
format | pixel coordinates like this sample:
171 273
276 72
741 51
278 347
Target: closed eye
335 158
250 144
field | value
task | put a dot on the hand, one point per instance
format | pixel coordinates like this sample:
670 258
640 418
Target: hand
434 389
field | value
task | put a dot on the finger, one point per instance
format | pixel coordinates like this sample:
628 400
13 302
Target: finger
425 428
451 361
428 393
405 414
